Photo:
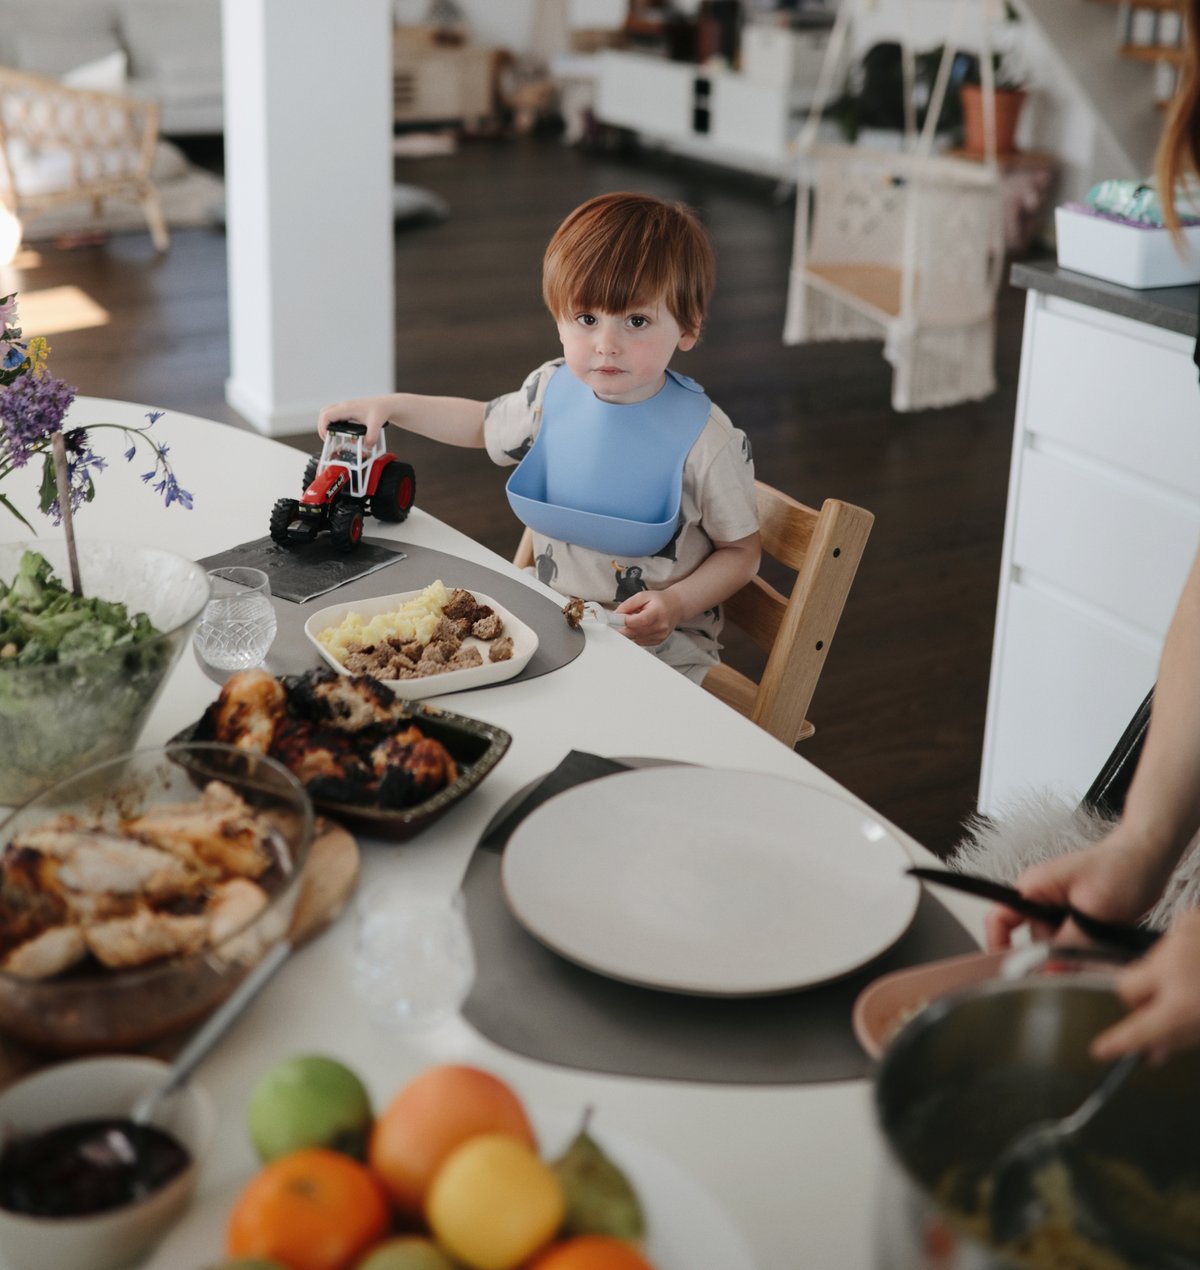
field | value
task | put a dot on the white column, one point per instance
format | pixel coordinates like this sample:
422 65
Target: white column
308 169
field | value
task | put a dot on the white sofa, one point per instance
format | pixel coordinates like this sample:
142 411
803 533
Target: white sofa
171 48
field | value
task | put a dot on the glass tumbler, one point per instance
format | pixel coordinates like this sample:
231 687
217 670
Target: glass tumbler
237 627
413 958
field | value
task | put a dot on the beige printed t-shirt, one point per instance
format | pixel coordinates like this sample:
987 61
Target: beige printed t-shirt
717 505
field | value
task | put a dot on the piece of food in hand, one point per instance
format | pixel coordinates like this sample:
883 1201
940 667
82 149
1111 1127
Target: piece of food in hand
309 1100
600 1199
435 1112
573 612
493 1202
314 1209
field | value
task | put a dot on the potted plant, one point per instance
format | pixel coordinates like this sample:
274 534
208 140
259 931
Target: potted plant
1010 94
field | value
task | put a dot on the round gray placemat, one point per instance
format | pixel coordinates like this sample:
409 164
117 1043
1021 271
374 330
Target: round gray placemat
533 1002
292 653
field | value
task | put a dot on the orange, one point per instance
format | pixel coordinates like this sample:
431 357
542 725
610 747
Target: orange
438 1110
591 1252
314 1209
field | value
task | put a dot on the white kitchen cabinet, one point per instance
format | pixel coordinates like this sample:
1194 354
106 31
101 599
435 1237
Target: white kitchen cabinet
722 116
1103 522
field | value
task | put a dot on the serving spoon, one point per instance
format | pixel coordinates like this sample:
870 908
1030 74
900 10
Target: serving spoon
1018 1202
116 1146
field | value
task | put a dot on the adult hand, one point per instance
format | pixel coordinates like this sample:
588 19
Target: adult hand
1162 991
372 412
1114 879
650 616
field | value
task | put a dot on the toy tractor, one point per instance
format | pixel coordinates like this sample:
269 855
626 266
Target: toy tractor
342 485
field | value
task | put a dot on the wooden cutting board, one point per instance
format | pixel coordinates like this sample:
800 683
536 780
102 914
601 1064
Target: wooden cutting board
326 884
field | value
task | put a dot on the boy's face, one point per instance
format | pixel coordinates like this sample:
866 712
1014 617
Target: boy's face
622 357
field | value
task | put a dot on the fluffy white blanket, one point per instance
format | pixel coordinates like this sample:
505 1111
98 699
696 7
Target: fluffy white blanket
1044 825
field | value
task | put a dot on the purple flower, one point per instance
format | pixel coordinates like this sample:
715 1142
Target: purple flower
31 409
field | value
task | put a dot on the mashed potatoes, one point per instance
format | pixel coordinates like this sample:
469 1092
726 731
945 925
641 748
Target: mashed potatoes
415 619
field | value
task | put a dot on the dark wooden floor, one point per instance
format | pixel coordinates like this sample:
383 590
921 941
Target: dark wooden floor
900 707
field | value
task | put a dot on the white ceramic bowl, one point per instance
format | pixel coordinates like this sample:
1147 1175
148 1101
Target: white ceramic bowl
82 1090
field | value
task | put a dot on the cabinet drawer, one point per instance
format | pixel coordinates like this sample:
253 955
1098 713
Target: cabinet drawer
1133 402
750 116
1064 689
1116 544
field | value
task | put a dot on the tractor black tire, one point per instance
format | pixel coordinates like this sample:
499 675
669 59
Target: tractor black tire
395 493
310 471
282 515
346 523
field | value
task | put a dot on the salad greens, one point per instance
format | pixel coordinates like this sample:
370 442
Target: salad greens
42 621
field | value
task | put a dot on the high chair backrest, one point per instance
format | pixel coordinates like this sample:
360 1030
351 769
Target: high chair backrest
823 548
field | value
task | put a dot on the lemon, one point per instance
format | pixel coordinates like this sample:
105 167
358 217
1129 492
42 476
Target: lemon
493 1203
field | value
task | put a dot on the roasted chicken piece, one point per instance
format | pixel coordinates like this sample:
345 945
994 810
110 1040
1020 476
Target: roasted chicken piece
245 715
167 883
220 830
344 736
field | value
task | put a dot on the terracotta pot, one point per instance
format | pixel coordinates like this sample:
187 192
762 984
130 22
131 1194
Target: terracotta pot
1008 111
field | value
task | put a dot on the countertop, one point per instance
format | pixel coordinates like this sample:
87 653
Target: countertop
1172 308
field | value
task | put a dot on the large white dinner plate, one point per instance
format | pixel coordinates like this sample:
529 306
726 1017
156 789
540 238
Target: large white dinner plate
710 881
686 1228
525 643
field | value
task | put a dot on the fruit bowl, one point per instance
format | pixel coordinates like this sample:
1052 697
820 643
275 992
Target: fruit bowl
93 1005
60 716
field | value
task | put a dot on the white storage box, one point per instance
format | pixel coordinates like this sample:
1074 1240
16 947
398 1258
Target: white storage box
1132 255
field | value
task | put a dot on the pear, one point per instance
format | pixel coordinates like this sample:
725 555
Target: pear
600 1198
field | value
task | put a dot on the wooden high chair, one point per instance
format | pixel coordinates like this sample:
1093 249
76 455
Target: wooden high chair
823 548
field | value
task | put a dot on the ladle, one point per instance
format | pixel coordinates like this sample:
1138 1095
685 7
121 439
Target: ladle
117 1146
1018 1203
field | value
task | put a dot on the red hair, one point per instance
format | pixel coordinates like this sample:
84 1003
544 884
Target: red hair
620 251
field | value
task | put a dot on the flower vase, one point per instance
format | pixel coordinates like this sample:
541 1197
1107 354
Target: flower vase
1008 112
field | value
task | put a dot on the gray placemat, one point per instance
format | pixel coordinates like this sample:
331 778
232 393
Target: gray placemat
415 568
533 1002
307 570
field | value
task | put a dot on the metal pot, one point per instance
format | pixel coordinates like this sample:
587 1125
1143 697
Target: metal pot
975 1068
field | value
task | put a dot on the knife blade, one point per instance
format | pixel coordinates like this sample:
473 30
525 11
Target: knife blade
1120 934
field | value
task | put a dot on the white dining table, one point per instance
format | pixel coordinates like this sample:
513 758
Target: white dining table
795 1168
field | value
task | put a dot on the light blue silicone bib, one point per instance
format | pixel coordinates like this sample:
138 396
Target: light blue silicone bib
609 477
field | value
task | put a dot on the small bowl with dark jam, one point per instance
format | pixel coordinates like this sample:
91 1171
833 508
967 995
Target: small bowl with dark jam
80 1184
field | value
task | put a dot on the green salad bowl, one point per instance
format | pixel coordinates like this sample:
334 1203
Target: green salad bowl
60 716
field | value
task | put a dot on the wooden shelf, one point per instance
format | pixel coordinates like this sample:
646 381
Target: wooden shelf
1155 53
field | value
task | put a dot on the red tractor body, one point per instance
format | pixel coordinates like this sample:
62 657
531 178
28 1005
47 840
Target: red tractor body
343 485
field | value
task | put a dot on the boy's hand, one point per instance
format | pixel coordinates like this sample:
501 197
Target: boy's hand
372 412
650 616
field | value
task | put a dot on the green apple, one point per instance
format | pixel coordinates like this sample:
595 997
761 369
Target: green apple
309 1101
407 1252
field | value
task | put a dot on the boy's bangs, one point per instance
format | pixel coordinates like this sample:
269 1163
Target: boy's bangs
615 285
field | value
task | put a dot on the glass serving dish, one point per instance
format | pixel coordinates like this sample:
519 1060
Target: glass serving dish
91 1008
58 717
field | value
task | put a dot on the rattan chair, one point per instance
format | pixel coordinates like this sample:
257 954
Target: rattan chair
823 548
61 145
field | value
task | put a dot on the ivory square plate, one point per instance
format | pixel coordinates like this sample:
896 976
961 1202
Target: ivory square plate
525 643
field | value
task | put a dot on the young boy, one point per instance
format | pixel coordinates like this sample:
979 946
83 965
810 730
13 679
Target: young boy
627 278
